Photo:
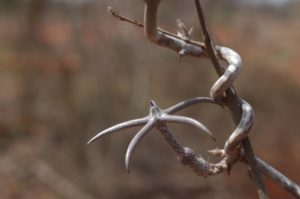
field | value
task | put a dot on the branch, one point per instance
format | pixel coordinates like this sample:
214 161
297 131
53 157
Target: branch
233 103
210 46
187 157
140 25
121 18
241 111
278 178
165 40
157 117
209 43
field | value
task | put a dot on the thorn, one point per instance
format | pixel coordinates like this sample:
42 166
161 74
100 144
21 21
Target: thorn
182 53
213 138
216 152
135 141
183 32
110 10
188 121
88 142
118 127
152 103
127 162
191 31
250 174
128 170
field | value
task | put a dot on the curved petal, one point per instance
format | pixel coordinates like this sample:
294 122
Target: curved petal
135 140
189 121
118 127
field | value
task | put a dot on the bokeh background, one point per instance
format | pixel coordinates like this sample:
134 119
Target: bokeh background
69 70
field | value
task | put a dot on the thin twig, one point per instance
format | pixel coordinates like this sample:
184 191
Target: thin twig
278 178
141 25
208 41
262 192
122 18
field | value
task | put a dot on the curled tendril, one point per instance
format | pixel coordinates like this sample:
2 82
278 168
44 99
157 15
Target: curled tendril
158 117
217 91
182 44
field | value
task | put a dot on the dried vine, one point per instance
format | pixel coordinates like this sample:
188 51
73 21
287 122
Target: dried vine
237 147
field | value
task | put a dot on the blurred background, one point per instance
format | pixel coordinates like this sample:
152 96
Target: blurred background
69 70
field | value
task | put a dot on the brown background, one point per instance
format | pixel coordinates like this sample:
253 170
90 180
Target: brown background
68 70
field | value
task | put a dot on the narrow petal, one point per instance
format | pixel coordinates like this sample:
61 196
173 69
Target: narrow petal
189 121
118 127
189 102
135 140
